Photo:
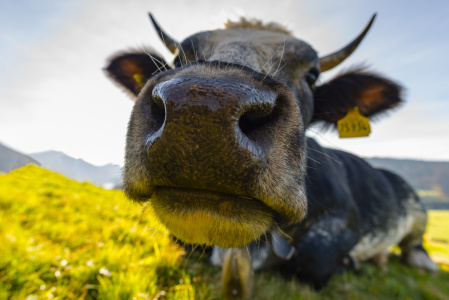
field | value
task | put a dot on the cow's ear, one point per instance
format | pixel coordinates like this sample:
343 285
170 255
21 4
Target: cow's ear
132 69
372 93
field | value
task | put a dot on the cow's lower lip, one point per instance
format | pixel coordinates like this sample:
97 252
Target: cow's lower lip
211 218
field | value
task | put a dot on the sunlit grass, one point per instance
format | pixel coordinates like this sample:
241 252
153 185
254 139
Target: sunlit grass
67 240
60 239
437 237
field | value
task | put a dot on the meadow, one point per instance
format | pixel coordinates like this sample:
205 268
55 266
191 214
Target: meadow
61 239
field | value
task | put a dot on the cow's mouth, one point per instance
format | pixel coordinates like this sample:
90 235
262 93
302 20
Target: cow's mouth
212 218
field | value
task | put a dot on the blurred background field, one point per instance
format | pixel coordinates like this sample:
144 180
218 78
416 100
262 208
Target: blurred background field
61 239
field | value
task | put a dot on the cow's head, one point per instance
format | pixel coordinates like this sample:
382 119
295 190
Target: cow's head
217 143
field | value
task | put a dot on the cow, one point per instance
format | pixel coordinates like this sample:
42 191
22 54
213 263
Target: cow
217 144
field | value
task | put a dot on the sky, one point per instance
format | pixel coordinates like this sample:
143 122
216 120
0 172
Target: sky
55 96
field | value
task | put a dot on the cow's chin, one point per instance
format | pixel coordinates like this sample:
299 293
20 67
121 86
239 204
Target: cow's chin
210 218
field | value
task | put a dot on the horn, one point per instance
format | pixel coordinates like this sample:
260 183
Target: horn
334 59
170 43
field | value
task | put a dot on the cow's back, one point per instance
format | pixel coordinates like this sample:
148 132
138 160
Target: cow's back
379 206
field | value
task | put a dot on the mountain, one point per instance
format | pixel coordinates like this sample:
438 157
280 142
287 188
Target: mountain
106 176
422 175
11 159
429 178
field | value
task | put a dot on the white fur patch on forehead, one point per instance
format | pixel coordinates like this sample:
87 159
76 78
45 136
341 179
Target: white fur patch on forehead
256 24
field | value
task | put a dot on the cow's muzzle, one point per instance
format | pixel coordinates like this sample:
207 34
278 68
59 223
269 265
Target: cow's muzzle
208 139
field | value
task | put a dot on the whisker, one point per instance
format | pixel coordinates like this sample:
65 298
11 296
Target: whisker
247 251
314 160
202 253
190 254
213 48
283 233
177 44
327 155
194 52
270 60
154 59
158 68
279 69
275 239
185 56
322 137
247 59
280 59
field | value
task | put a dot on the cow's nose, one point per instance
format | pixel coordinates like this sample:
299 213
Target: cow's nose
213 112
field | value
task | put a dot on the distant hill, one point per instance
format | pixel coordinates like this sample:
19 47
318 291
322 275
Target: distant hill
107 176
11 159
430 178
422 175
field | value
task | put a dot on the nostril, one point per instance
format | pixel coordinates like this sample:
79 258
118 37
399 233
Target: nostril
154 110
157 100
157 112
256 118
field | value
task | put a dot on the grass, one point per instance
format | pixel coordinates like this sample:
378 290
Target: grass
60 239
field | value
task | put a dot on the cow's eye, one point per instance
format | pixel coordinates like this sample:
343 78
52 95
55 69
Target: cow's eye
311 77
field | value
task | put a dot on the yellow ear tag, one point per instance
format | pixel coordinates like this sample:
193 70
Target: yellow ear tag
139 79
353 125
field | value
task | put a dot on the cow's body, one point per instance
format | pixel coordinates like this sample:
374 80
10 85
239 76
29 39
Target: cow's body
355 213
218 146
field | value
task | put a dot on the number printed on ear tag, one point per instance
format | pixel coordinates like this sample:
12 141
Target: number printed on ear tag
353 125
